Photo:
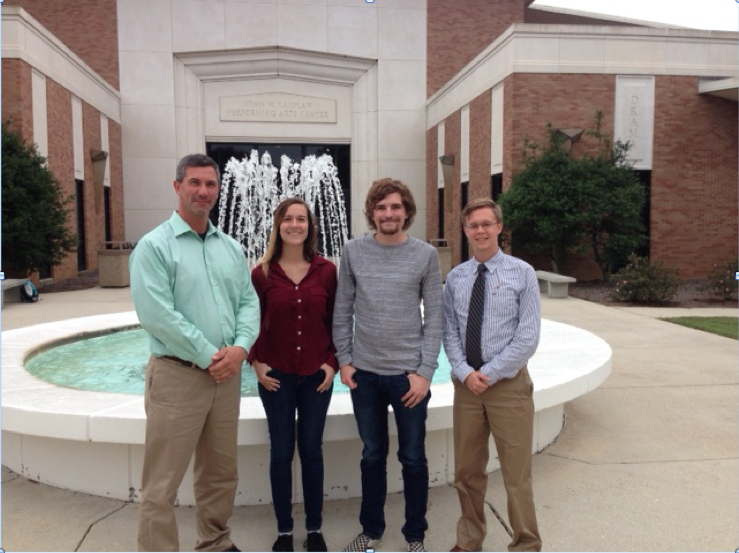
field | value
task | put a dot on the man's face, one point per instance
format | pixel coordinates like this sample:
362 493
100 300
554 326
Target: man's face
198 192
389 214
482 230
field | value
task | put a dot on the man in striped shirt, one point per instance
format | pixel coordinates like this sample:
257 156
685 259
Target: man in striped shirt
492 312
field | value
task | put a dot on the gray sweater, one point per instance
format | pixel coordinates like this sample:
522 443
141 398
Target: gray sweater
377 323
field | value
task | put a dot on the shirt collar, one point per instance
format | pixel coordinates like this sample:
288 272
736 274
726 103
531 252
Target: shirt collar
181 227
490 264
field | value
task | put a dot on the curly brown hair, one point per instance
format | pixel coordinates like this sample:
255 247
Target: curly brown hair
380 189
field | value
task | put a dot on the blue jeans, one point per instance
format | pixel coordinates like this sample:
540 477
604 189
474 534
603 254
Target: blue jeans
299 393
371 398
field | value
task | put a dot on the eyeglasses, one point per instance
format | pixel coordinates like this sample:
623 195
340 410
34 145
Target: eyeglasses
485 226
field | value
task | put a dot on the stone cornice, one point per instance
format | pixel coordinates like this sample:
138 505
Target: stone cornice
26 39
585 49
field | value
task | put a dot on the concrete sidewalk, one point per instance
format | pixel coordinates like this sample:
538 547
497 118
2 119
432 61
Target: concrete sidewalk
647 462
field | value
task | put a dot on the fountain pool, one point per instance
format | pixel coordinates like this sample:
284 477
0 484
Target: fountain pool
92 442
116 362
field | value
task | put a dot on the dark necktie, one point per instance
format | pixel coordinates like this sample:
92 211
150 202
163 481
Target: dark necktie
473 336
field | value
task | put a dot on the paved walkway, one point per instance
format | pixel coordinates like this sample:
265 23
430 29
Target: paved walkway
647 462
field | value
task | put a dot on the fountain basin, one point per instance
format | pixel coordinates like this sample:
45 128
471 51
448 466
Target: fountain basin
92 442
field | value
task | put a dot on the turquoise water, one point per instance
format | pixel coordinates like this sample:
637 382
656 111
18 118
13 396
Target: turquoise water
116 361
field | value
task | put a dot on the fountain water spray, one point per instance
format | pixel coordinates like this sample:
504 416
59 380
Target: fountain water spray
250 192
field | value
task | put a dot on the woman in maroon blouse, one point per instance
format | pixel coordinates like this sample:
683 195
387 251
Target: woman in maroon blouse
294 362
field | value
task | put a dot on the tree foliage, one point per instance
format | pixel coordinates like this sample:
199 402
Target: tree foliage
34 209
559 205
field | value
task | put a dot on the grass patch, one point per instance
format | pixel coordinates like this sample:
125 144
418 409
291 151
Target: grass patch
723 326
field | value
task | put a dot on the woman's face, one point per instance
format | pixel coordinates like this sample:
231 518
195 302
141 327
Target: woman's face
294 226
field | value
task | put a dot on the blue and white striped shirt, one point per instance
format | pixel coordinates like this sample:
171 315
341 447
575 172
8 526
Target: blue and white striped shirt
512 318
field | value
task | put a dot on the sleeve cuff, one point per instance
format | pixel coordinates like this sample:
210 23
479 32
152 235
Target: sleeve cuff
206 357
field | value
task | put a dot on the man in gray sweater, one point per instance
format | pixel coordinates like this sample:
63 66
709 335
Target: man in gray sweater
388 353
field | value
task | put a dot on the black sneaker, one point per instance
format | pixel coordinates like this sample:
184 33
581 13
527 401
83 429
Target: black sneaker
315 542
284 543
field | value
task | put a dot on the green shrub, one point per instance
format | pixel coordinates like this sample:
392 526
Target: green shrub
35 211
642 281
722 281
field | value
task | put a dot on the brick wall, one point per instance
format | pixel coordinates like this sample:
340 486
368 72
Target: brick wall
452 195
480 109
432 177
16 94
459 30
94 204
115 160
694 178
566 101
88 27
61 159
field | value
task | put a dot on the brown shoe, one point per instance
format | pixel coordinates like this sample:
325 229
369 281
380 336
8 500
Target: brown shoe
457 548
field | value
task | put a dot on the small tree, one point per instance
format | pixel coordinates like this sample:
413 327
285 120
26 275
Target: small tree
543 206
557 203
34 210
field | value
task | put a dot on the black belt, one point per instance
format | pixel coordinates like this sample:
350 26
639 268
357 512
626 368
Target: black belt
190 364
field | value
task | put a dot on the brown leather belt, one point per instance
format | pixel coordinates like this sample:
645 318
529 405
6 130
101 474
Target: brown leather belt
190 364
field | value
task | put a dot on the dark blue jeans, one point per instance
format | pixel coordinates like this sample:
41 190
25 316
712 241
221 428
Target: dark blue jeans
296 393
371 398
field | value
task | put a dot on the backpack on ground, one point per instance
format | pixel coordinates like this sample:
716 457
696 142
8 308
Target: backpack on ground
29 292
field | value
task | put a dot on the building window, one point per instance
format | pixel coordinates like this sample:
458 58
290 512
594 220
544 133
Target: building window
496 186
440 233
79 203
464 196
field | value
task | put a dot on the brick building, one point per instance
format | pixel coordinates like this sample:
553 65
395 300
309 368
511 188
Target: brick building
671 92
60 91
405 81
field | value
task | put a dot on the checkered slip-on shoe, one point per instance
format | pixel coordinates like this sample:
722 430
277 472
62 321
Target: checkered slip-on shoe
362 543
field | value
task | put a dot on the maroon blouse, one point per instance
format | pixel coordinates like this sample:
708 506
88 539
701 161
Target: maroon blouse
295 333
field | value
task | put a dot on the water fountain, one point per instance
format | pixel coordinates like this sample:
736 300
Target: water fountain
251 190
62 437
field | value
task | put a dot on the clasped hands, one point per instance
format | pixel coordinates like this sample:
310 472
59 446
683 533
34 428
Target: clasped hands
226 363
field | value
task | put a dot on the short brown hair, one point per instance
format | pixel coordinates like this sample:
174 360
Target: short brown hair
479 204
382 188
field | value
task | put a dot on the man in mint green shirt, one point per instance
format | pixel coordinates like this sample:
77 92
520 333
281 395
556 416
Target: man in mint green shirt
193 295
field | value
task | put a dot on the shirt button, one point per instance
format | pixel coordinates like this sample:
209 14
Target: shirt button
300 301
300 316
298 348
296 287
299 332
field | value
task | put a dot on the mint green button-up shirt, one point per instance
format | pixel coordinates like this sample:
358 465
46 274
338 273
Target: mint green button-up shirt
193 296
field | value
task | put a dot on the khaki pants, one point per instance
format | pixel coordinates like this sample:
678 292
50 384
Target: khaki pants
507 410
186 412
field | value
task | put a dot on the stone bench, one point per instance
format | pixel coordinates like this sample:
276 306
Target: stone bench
11 287
553 284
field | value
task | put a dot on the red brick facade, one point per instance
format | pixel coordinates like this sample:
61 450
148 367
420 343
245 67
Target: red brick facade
17 98
694 174
17 102
458 31
61 158
480 109
89 29
694 178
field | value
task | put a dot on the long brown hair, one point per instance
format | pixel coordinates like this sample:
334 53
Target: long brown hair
274 248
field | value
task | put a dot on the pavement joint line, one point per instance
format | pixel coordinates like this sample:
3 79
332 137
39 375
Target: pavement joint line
656 386
93 523
644 462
